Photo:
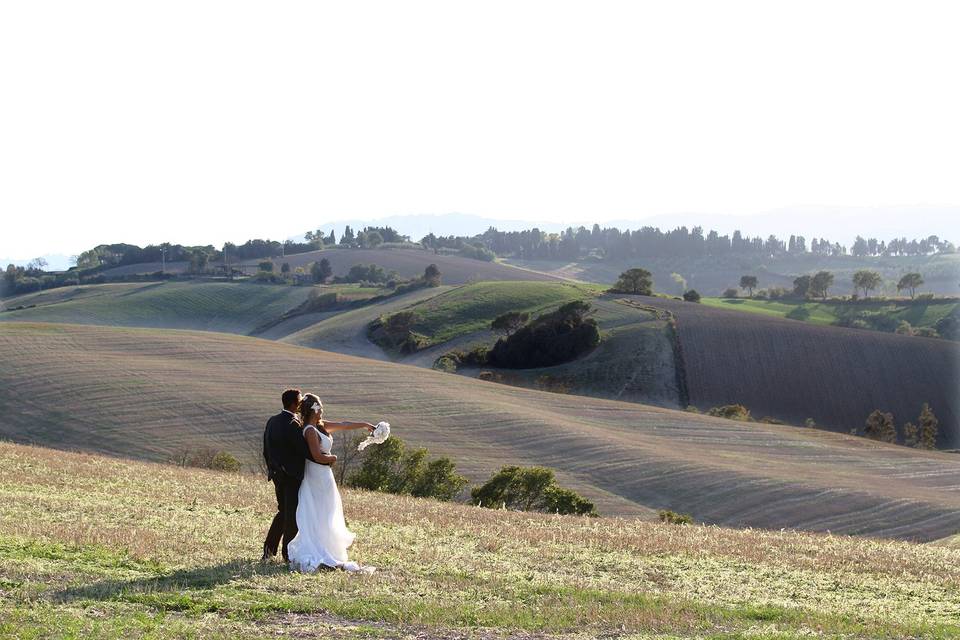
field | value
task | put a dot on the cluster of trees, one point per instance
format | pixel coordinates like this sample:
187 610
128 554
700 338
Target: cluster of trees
818 285
901 247
551 339
392 467
922 435
879 425
615 244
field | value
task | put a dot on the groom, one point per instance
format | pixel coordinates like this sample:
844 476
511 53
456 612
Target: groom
285 451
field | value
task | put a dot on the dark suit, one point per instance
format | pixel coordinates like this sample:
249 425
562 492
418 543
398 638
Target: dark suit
286 452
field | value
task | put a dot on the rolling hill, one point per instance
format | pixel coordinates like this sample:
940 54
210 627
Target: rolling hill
778 368
409 263
795 370
151 393
96 547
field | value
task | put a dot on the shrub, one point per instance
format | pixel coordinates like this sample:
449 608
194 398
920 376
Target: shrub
265 265
366 273
395 333
949 325
730 412
207 458
672 517
551 339
730 293
691 295
904 328
529 489
389 468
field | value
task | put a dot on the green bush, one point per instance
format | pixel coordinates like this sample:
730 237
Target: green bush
207 458
730 412
672 517
691 295
389 468
530 489
551 339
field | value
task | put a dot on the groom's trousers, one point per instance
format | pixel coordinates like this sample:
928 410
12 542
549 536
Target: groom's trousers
284 525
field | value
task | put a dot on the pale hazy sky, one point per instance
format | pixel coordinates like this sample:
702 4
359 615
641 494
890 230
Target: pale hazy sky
200 122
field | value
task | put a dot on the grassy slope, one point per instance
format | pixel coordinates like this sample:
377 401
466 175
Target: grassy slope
471 308
232 307
150 393
826 313
99 547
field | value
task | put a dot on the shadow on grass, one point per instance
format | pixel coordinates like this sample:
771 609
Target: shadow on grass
733 301
200 578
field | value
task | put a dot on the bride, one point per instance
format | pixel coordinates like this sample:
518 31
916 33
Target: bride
323 537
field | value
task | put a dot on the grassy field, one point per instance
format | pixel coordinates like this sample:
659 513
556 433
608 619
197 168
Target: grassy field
471 308
232 307
99 547
149 393
825 313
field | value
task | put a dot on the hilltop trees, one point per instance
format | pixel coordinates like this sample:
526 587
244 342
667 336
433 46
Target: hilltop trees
879 426
866 280
928 427
749 283
911 282
635 281
820 284
922 435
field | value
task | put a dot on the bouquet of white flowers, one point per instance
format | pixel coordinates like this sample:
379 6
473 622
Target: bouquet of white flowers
379 436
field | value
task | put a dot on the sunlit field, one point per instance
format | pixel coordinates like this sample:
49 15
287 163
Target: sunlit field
100 547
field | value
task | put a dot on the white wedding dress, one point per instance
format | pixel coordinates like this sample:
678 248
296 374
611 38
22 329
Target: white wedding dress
323 537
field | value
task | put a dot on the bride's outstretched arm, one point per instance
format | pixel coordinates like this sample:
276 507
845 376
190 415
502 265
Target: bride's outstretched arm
316 451
346 426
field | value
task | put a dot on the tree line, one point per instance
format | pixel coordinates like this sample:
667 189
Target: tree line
616 244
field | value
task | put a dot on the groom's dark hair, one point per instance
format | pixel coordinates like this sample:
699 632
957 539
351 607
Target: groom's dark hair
290 397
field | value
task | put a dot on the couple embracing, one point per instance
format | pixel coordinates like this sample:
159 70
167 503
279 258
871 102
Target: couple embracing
297 445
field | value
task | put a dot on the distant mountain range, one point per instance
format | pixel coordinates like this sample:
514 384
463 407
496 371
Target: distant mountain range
838 224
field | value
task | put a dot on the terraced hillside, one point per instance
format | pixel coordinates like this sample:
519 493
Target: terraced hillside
794 370
95 547
150 393
409 263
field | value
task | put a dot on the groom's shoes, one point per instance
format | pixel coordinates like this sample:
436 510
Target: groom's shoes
267 554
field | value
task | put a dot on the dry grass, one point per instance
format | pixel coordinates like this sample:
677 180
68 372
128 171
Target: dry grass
149 393
117 548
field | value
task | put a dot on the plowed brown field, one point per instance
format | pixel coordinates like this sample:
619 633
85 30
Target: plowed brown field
793 370
149 393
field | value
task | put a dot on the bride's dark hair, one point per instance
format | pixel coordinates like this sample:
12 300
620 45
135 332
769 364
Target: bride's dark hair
307 410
